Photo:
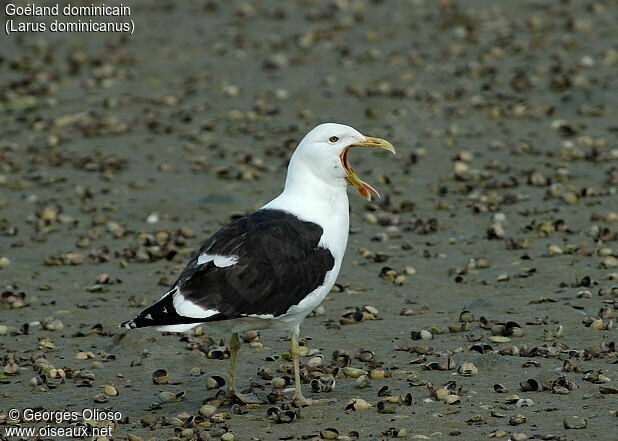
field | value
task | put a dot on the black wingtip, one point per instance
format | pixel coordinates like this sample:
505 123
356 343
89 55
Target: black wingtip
161 313
129 324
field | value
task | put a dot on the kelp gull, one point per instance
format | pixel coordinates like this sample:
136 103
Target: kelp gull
271 268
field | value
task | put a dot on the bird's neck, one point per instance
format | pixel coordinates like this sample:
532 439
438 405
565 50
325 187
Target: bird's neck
301 179
310 197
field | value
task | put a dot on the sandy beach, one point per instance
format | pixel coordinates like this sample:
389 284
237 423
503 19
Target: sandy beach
488 270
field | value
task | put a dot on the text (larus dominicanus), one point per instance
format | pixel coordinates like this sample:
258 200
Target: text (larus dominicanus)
271 268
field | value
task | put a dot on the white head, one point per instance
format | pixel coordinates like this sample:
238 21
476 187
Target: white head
323 152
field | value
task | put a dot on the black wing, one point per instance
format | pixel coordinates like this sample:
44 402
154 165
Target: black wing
278 263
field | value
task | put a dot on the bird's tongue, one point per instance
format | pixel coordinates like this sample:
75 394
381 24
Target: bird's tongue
362 187
364 190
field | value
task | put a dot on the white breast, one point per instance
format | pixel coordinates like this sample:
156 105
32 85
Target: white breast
331 213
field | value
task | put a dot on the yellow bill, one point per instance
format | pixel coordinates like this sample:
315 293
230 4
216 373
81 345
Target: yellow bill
363 188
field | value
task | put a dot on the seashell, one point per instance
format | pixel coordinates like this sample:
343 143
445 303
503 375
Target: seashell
467 370
377 374
554 250
423 334
215 382
329 433
160 376
371 310
482 262
229 436
452 399
481 348
608 390
384 392
220 417
217 354
495 231
279 382
497 414
382 407
322 384
499 339
394 399
462 327
341 359
499 388
352 372
389 274
84 355
202 422
250 336
167 397
517 420
513 329
101 398
584 294
352 317
265 373
504 277
524 402
186 433
512 350
282 416
442 394
363 381
575 423
207 410
174 422
407 399
433 366
303 350
498 329
365 355
357 404
52 324
530 385
11 369
596 377
273 413
606 312
422 350
110 391
315 361
40 379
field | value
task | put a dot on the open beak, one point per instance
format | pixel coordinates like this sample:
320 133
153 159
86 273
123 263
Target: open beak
362 187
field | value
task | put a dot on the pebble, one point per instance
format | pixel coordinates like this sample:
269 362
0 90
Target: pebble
4 262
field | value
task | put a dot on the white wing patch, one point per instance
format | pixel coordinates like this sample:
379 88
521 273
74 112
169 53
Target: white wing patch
187 308
260 316
177 328
219 260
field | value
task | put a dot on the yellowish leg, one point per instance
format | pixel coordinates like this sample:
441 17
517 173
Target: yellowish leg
299 400
232 391
234 347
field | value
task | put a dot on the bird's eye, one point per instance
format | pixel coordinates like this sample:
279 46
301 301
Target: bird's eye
333 139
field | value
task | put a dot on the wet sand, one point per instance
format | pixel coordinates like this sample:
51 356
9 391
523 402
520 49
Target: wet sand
120 154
